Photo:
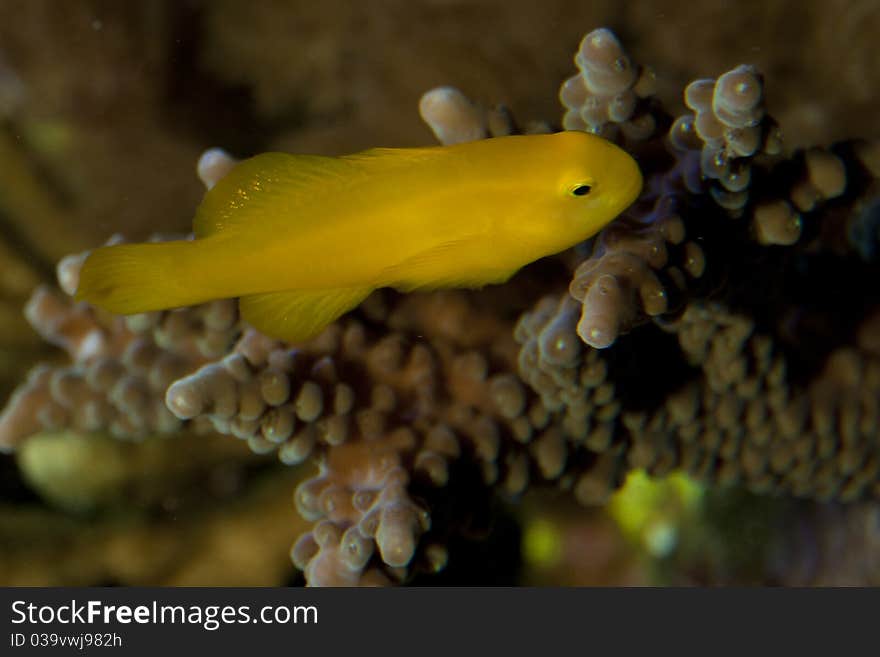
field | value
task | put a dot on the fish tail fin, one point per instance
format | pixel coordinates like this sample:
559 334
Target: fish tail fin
134 278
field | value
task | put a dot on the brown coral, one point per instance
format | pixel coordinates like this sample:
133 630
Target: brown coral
381 409
120 367
609 91
674 346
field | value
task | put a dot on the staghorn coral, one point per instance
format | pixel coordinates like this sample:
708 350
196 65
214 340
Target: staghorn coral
696 333
608 92
384 408
454 118
729 128
120 367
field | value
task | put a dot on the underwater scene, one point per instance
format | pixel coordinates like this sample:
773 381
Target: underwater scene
439 293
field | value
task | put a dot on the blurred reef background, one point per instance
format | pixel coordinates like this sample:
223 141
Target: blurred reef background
513 446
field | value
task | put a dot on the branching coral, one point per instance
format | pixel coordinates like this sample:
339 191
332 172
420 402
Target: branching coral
608 92
120 369
721 327
390 400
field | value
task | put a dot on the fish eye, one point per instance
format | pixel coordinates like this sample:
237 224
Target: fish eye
580 190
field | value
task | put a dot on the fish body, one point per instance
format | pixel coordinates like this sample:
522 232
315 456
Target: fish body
304 238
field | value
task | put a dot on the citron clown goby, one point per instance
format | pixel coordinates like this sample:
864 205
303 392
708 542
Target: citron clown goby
302 239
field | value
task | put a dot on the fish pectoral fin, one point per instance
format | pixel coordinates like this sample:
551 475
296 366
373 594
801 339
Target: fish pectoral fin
298 315
437 268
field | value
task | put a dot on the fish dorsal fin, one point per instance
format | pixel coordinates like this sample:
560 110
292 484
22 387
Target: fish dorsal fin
270 187
298 315
394 156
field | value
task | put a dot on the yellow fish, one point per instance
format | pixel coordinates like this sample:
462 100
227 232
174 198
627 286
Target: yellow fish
303 238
